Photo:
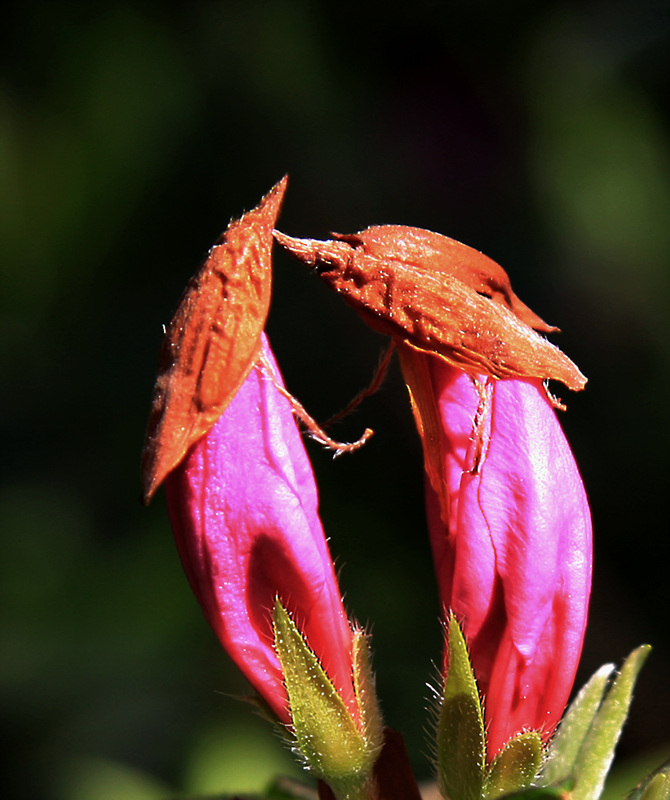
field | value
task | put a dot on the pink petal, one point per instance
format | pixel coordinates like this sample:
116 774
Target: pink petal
243 506
514 558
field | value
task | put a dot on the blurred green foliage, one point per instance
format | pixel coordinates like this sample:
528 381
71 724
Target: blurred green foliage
129 135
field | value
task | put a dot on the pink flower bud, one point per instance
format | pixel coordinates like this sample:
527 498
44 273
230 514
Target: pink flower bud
511 536
243 506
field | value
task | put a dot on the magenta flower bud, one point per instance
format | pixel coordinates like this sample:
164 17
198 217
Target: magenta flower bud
510 530
243 507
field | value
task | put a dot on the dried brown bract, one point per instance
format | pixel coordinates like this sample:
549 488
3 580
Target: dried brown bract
438 296
213 340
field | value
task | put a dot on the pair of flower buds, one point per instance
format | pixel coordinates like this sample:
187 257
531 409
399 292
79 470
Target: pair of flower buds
507 514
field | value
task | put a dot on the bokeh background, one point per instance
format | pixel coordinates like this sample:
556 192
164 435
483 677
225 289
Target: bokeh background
130 133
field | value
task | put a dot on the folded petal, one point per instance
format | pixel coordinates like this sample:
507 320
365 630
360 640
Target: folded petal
243 506
511 535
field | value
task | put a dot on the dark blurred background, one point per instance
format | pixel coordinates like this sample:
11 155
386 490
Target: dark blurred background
130 133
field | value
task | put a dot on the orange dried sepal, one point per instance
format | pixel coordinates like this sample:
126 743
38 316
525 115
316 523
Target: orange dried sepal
438 296
213 340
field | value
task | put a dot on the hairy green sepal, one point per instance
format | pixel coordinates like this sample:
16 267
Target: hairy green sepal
461 746
364 686
516 766
325 734
461 738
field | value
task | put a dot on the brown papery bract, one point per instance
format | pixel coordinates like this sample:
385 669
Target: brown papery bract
438 296
213 340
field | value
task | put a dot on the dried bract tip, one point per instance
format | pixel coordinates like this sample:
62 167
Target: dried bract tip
445 256
213 340
438 296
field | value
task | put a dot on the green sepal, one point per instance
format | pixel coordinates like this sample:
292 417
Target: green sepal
655 786
563 750
595 720
461 743
515 767
364 687
325 733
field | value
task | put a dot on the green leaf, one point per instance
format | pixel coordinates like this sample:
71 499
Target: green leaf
461 744
597 750
564 748
515 767
324 731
